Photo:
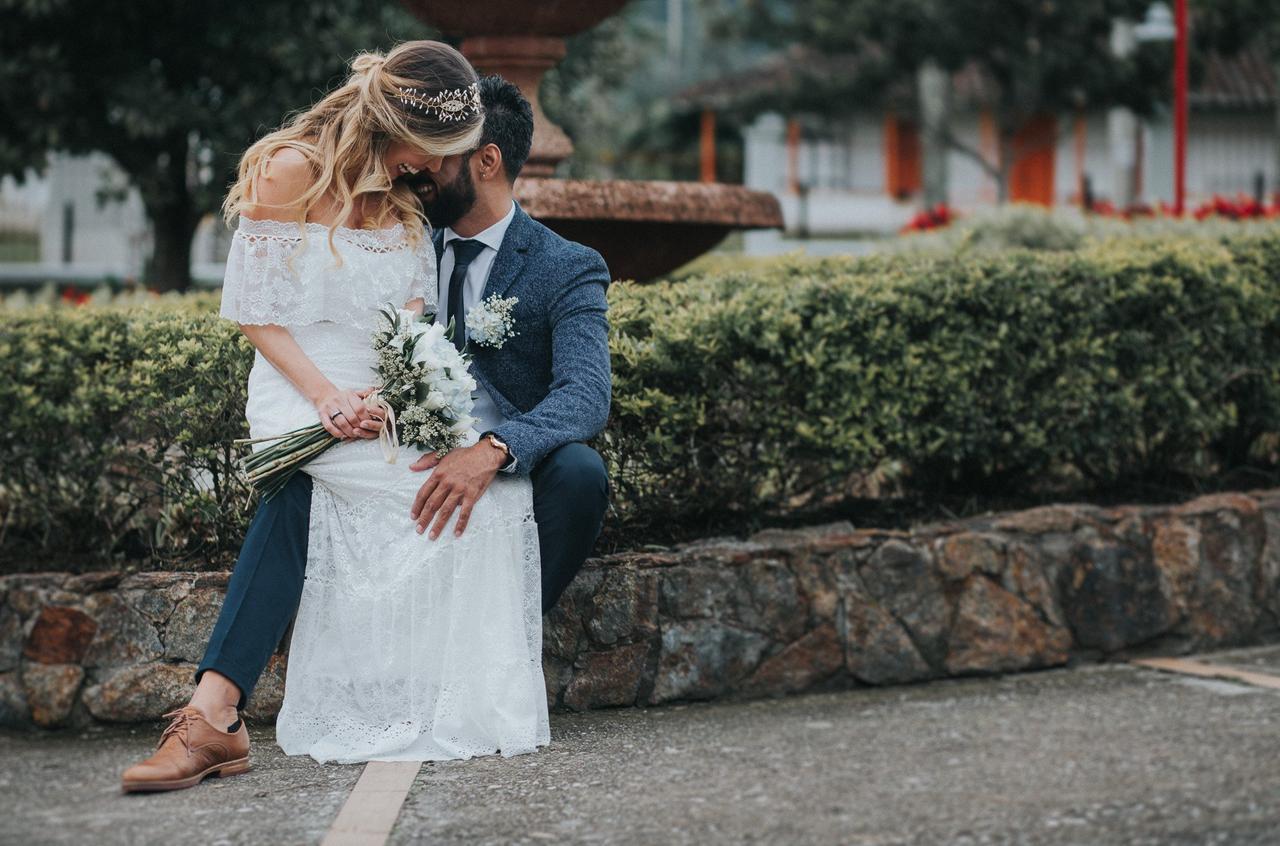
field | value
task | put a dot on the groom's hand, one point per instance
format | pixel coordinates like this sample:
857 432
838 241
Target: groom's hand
460 478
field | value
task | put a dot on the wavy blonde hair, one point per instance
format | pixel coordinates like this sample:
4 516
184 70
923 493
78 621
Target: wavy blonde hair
345 136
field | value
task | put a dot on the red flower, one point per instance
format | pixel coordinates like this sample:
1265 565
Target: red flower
934 218
74 296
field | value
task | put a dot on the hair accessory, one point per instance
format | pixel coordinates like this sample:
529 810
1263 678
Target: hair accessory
448 105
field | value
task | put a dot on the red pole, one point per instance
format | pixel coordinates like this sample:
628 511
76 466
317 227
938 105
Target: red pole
1180 109
707 153
793 156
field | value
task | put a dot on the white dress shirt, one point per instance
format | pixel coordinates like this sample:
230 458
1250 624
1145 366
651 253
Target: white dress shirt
486 410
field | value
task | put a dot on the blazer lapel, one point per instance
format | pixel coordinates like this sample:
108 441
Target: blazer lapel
504 273
511 256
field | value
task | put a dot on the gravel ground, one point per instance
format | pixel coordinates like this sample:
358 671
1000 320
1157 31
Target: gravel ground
1097 755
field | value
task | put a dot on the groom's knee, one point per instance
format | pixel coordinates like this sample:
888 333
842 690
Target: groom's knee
577 471
294 499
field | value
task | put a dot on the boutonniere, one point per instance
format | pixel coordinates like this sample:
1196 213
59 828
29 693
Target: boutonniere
489 322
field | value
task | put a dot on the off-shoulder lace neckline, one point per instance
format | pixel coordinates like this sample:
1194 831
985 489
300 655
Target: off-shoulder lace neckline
269 223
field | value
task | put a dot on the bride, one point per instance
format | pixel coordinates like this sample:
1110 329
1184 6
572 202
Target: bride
404 647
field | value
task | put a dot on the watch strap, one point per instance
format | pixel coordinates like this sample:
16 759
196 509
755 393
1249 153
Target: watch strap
493 438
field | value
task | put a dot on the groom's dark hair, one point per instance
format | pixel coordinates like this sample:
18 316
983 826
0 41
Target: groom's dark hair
508 122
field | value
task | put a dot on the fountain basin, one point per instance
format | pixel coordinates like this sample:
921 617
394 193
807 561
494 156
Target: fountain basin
646 229
558 18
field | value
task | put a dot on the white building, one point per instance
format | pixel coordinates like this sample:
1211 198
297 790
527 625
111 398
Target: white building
861 177
89 226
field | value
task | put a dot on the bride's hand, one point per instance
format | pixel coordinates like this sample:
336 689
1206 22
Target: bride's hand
344 415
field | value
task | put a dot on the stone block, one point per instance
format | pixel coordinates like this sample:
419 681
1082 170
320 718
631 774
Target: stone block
766 600
139 693
624 608
125 637
995 632
187 633
814 657
606 679
1046 519
959 555
698 591
1175 549
816 582
1113 597
12 638
14 711
50 690
61 635
902 579
702 659
877 648
1026 577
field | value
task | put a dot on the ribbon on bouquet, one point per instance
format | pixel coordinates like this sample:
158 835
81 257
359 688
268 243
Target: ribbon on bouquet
388 439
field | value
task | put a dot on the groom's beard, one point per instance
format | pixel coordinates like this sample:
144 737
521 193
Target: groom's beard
445 204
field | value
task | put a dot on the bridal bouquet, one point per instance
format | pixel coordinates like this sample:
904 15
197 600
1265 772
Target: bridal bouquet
424 399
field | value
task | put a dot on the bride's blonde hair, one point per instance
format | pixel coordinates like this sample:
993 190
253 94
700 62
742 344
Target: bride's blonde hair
422 93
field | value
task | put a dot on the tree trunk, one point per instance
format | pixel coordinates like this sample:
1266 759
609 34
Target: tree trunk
1004 165
173 226
171 207
934 87
1275 186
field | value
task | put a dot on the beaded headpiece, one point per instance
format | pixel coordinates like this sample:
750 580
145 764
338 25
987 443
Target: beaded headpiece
447 105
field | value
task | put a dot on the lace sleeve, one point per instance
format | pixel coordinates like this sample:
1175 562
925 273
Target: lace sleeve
263 283
425 281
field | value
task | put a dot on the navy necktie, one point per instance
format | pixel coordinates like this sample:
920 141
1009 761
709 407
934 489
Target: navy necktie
464 252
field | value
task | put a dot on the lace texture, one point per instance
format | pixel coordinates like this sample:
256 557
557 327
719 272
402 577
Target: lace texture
404 648
284 273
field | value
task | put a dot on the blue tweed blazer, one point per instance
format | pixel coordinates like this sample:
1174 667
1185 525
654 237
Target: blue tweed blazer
551 381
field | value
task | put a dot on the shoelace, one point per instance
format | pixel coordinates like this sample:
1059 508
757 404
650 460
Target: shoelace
181 722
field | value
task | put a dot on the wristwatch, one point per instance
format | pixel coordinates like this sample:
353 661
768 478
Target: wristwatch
493 439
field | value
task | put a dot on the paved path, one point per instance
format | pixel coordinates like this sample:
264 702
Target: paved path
1099 755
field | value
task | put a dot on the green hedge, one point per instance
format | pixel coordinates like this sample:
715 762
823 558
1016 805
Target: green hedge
744 392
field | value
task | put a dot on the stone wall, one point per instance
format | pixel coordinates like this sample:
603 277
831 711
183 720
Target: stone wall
781 612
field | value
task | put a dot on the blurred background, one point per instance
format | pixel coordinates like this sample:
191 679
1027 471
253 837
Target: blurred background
120 124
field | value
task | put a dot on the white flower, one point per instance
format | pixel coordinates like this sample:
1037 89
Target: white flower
426 328
490 323
432 348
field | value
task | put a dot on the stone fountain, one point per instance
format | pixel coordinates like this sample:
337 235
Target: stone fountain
643 229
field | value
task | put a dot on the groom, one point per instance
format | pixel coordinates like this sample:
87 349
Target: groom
543 393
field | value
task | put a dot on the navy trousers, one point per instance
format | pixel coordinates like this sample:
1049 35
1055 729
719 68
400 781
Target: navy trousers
570 492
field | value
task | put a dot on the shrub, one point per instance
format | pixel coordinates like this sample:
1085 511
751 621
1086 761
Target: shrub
117 430
1029 226
975 373
748 391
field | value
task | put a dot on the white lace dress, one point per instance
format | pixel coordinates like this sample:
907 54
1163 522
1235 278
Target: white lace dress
404 648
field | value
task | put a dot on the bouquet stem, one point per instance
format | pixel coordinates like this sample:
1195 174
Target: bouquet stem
270 469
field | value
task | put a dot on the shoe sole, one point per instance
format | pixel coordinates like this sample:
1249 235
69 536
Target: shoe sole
229 768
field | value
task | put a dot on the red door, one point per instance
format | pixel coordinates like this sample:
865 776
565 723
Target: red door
1031 177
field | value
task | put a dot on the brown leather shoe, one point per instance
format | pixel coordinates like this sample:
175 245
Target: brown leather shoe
189 750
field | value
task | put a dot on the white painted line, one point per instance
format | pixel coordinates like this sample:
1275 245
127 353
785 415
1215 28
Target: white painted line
1212 671
1222 688
370 812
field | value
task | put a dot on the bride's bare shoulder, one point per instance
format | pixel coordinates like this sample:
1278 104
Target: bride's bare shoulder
281 187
